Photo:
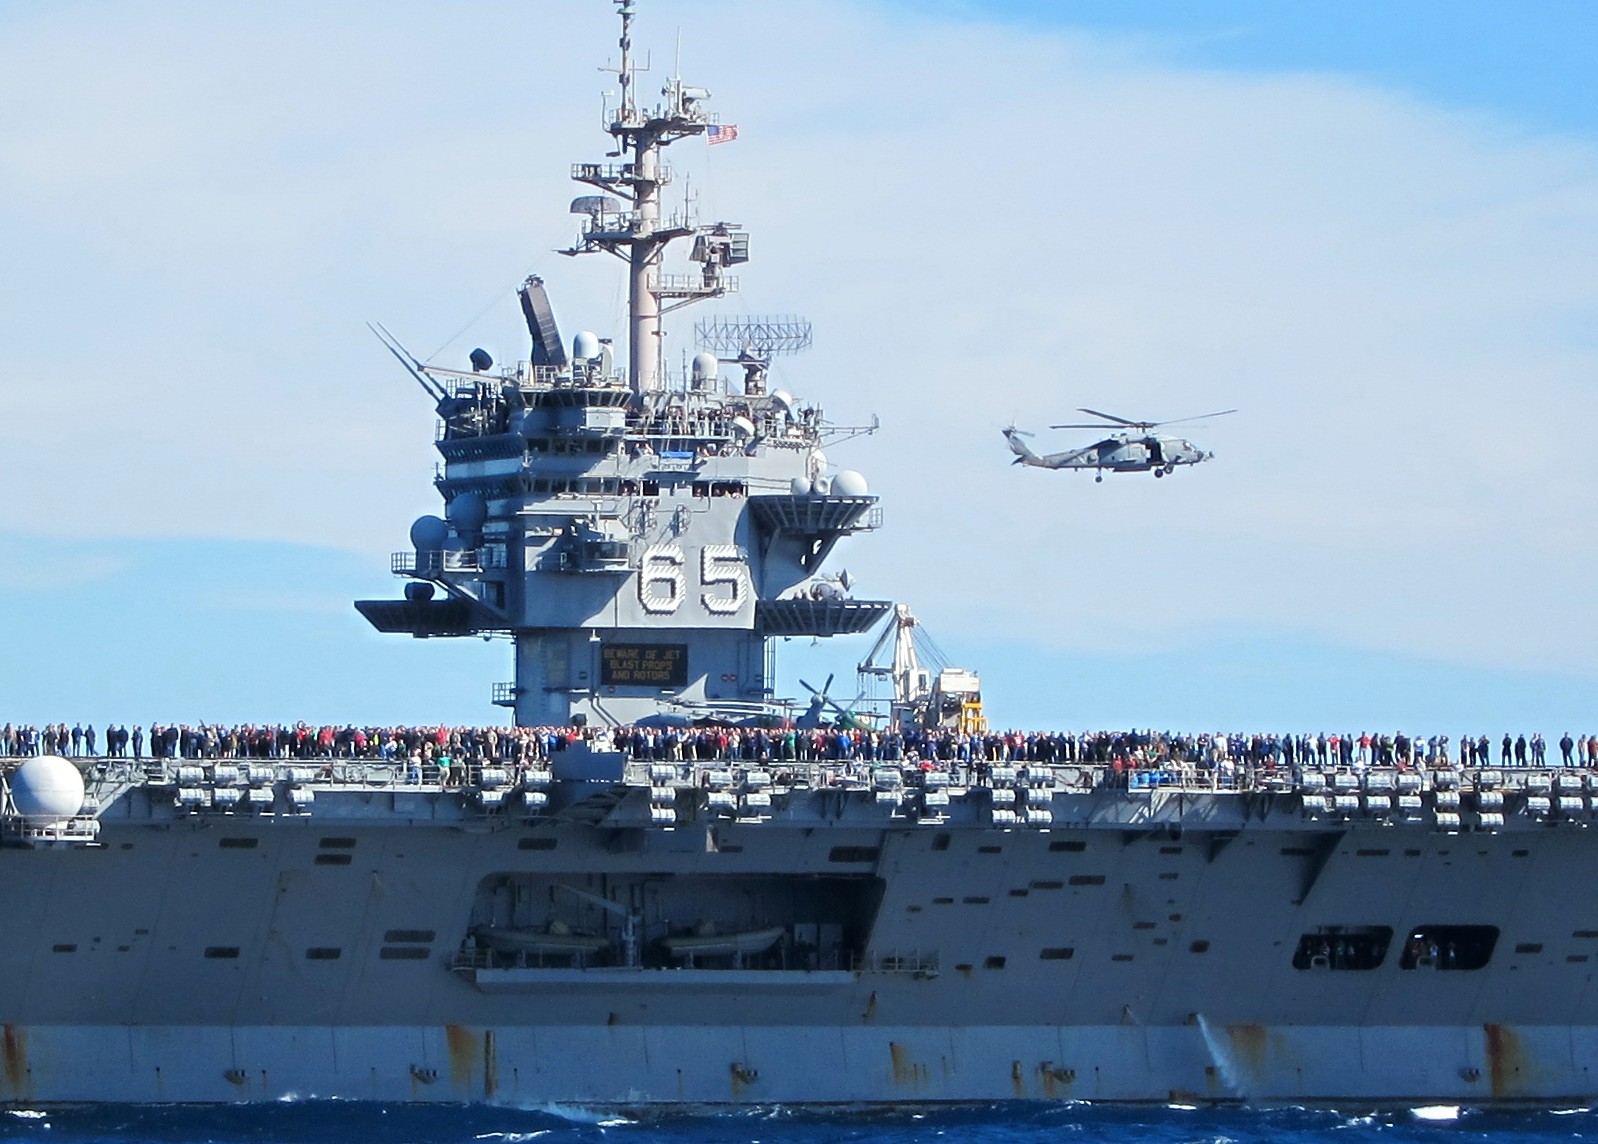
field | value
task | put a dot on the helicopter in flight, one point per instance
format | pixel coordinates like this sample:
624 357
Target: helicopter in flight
1129 447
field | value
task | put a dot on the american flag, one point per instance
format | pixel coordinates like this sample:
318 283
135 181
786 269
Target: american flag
721 132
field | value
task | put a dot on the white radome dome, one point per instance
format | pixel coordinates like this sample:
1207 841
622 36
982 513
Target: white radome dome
849 483
47 789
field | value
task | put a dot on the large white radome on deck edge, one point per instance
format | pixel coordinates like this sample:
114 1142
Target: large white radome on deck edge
47 789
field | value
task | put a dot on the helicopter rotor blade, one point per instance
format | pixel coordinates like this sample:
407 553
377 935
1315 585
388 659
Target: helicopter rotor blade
1100 427
1200 417
1113 417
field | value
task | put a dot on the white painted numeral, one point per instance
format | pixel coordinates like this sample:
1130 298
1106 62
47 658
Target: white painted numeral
660 580
722 566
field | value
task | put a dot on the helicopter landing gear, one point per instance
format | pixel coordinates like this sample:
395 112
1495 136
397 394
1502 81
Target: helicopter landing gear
1170 468
1158 473
1098 478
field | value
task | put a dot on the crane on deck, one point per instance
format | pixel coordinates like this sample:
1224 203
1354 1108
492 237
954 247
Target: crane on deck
926 691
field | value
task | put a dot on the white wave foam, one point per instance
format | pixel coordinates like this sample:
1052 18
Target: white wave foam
575 1114
1436 1112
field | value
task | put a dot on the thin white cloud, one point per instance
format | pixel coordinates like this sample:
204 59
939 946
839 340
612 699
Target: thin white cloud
985 224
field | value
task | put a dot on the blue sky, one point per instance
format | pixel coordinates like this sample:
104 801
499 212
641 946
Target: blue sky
1532 61
1371 226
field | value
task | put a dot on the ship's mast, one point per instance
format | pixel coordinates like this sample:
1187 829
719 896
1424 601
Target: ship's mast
640 235
643 307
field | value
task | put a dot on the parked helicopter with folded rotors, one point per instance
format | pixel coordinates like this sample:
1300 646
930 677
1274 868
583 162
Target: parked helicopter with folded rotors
1130 447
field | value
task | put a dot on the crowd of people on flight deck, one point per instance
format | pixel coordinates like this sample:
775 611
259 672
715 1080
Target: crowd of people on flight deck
1118 750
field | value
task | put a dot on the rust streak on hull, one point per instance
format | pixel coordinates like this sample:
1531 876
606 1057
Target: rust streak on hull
1506 1061
463 1054
14 1059
1248 1044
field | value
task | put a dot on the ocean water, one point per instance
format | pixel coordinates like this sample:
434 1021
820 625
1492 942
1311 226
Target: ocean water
350 1123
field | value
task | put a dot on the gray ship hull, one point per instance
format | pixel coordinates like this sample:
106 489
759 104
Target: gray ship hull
1143 946
695 1065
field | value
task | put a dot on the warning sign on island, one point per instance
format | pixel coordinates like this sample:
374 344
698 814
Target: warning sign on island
643 665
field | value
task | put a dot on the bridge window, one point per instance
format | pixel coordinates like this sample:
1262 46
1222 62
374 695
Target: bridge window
1343 947
1449 947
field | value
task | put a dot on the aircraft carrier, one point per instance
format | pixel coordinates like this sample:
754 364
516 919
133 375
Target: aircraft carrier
610 923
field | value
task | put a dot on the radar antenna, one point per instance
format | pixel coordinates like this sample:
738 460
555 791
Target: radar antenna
634 228
752 342
763 336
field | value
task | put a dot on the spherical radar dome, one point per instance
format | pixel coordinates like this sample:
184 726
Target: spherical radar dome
849 483
705 367
47 789
468 512
429 533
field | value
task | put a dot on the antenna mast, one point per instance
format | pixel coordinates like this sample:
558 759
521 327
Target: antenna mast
639 235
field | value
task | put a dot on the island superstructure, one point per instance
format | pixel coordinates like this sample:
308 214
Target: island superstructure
602 912
643 538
